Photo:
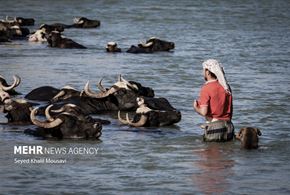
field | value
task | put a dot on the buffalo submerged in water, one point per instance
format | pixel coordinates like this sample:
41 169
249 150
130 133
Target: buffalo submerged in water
152 45
68 122
152 112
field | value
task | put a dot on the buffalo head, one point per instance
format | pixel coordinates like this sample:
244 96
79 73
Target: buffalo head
147 117
152 45
18 111
83 22
112 47
25 21
55 39
158 44
68 125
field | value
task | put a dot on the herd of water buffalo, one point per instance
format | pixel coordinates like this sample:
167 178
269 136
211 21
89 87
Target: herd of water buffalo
16 28
65 112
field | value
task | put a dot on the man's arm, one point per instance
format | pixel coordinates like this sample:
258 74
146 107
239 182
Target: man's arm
202 110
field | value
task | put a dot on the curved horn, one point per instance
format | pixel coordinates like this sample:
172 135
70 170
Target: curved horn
60 94
90 93
140 123
47 114
128 83
120 118
62 109
100 86
147 44
38 123
16 82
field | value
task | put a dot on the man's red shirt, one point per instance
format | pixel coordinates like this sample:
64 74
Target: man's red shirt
218 100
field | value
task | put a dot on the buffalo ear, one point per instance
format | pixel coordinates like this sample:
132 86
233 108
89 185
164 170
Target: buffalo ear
239 135
258 131
241 131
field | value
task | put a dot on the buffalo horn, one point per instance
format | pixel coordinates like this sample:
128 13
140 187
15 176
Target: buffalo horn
47 114
16 82
100 86
128 83
120 118
90 93
38 123
60 94
147 44
140 123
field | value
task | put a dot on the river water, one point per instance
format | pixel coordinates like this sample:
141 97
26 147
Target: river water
250 38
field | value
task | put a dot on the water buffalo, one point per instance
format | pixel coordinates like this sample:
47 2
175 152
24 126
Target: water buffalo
56 40
10 88
112 47
67 125
44 30
48 28
152 45
124 93
18 111
18 32
65 93
24 21
147 117
85 23
74 109
12 31
44 93
19 21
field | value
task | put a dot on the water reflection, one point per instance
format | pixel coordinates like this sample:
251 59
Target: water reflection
214 169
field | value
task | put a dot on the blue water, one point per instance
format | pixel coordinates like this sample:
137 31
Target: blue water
250 38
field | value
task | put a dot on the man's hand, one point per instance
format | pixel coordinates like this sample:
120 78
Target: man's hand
200 110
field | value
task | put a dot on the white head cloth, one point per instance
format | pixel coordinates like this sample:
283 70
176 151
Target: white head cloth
215 67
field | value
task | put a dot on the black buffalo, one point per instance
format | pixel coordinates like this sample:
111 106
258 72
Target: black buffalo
152 45
18 111
25 21
56 40
123 93
73 109
9 31
44 93
112 47
67 125
48 28
148 117
85 23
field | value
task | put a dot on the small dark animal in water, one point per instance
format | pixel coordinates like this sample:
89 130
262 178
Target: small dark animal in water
249 137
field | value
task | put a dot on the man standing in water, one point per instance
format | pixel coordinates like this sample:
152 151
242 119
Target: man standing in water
215 103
